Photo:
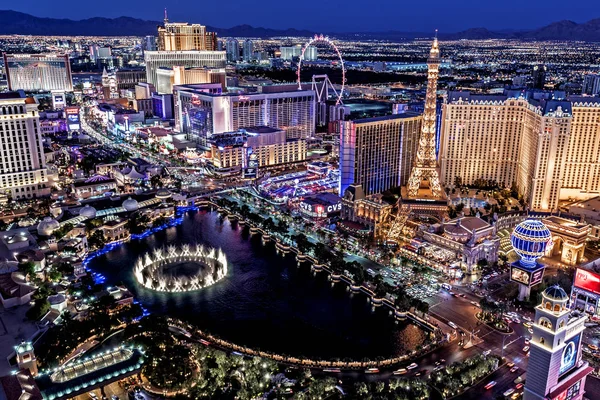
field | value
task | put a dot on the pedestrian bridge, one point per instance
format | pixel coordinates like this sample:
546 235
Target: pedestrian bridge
86 374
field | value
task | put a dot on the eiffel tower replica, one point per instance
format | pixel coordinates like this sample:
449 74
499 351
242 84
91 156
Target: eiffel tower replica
424 181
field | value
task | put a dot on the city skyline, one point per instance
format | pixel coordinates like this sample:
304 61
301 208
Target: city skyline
328 17
201 212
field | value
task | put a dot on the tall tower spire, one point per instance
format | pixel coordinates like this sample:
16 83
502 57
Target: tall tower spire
166 17
425 165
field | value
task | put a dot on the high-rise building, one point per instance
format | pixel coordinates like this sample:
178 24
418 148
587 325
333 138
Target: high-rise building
203 110
232 48
23 171
248 50
267 146
176 36
548 148
99 53
591 85
34 72
556 369
290 52
169 77
127 78
169 59
310 54
150 43
425 167
378 153
539 76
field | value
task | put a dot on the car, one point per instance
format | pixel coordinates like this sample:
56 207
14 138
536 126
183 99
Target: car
462 295
514 369
519 386
372 371
476 304
508 392
412 366
93 396
525 349
510 364
527 324
515 396
530 331
487 352
437 363
452 324
527 340
593 347
490 385
400 371
442 360
439 367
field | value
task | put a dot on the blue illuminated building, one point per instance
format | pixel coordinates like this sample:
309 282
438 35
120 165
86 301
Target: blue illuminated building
378 153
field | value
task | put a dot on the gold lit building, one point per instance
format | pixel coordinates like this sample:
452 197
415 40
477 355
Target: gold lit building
175 36
547 147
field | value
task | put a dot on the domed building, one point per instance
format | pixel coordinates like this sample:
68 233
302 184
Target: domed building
130 205
47 226
88 212
163 194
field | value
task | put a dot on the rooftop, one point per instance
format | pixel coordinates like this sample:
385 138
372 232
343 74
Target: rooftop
408 114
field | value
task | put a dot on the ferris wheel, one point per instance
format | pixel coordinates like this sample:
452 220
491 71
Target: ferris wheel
323 90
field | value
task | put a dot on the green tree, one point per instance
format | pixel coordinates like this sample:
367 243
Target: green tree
38 310
97 239
27 269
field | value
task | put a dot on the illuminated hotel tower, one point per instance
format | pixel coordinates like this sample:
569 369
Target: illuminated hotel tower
556 370
425 166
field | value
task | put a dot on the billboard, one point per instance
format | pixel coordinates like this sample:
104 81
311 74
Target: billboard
73 121
568 358
588 281
526 277
250 170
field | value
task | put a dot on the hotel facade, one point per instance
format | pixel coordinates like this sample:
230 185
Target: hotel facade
549 148
33 72
378 153
186 59
23 172
201 112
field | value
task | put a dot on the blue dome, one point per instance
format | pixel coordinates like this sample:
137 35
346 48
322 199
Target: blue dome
556 293
530 239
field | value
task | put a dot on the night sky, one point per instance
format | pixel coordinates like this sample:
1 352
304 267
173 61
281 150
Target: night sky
329 15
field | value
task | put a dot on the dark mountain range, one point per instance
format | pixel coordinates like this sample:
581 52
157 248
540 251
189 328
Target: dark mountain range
12 22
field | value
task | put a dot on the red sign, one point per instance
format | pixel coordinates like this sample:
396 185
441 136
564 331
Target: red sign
587 280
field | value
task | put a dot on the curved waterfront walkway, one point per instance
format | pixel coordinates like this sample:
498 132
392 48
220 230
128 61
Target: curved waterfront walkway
207 339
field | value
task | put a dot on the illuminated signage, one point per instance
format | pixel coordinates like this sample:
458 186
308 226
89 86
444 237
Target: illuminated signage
570 393
568 357
587 281
526 277
334 208
73 121
321 210
536 277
